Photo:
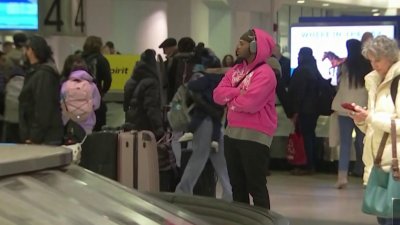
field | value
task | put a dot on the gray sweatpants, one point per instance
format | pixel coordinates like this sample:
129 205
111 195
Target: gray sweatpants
201 153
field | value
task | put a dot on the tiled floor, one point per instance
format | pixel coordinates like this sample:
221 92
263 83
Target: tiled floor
313 200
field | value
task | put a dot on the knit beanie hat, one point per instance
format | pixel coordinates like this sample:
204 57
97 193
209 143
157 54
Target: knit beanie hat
149 57
248 36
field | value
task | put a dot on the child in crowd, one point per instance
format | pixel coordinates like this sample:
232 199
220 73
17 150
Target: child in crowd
80 96
201 90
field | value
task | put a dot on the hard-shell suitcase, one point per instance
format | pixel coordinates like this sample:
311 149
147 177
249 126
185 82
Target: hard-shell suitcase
99 153
138 160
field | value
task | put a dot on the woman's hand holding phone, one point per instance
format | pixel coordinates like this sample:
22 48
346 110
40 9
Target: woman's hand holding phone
358 114
349 106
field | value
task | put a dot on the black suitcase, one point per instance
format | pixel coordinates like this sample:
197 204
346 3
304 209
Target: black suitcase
206 184
99 153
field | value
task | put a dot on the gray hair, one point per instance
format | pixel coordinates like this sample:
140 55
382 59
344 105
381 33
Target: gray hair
381 46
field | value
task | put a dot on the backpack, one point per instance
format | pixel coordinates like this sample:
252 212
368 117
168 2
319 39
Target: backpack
77 99
12 91
179 114
91 62
325 95
393 88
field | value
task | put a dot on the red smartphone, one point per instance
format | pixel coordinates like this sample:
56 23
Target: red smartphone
348 106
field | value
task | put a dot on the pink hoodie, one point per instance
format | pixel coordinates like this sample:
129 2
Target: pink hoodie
255 107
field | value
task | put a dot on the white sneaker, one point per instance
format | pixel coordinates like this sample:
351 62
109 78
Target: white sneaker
186 137
214 146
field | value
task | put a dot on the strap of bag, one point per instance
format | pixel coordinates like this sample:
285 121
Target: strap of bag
393 92
378 158
393 88
255 67
395 161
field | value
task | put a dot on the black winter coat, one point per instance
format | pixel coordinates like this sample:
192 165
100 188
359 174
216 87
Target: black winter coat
303 91
39 106
103 71
142 100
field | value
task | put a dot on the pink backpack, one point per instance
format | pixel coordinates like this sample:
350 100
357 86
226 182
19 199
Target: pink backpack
77 99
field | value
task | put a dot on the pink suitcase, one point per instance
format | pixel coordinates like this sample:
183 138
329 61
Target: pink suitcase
138 160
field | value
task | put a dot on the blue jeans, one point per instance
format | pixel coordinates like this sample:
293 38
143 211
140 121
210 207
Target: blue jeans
388 221
196 163
176 146
346 126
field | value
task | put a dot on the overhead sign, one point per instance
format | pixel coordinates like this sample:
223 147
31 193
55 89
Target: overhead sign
57 17
121 69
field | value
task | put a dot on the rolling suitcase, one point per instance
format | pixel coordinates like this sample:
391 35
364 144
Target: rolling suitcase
138 160
99 153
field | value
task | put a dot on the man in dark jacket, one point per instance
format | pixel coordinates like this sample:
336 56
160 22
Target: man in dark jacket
100 69
182 66
142 102
303 97
39 101
170 49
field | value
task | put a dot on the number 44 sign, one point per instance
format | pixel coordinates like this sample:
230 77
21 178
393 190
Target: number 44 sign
62 17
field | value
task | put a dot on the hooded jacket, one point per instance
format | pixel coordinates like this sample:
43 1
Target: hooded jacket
142 101
91 120
303 87
252 104
39 106
381 110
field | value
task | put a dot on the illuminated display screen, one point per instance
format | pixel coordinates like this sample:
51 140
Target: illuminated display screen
18 15
329 43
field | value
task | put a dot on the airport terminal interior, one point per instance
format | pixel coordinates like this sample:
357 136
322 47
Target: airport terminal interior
136 25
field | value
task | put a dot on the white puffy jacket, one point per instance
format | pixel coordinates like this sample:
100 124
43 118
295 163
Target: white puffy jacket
381 110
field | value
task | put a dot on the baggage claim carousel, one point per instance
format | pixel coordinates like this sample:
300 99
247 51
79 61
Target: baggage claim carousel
39 185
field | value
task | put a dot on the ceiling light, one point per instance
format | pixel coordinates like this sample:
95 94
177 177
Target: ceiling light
325 4
375 10
300 1
376 14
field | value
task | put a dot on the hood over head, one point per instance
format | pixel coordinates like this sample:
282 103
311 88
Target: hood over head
149 57
265 45
146 67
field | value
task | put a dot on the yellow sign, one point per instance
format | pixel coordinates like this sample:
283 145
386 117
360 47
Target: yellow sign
121 69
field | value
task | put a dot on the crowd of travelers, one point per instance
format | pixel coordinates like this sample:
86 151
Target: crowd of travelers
232 102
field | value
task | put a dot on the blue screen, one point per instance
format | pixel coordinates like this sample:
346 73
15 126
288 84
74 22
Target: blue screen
18 15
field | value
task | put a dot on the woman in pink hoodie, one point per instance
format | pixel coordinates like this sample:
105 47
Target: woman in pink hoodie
248 91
